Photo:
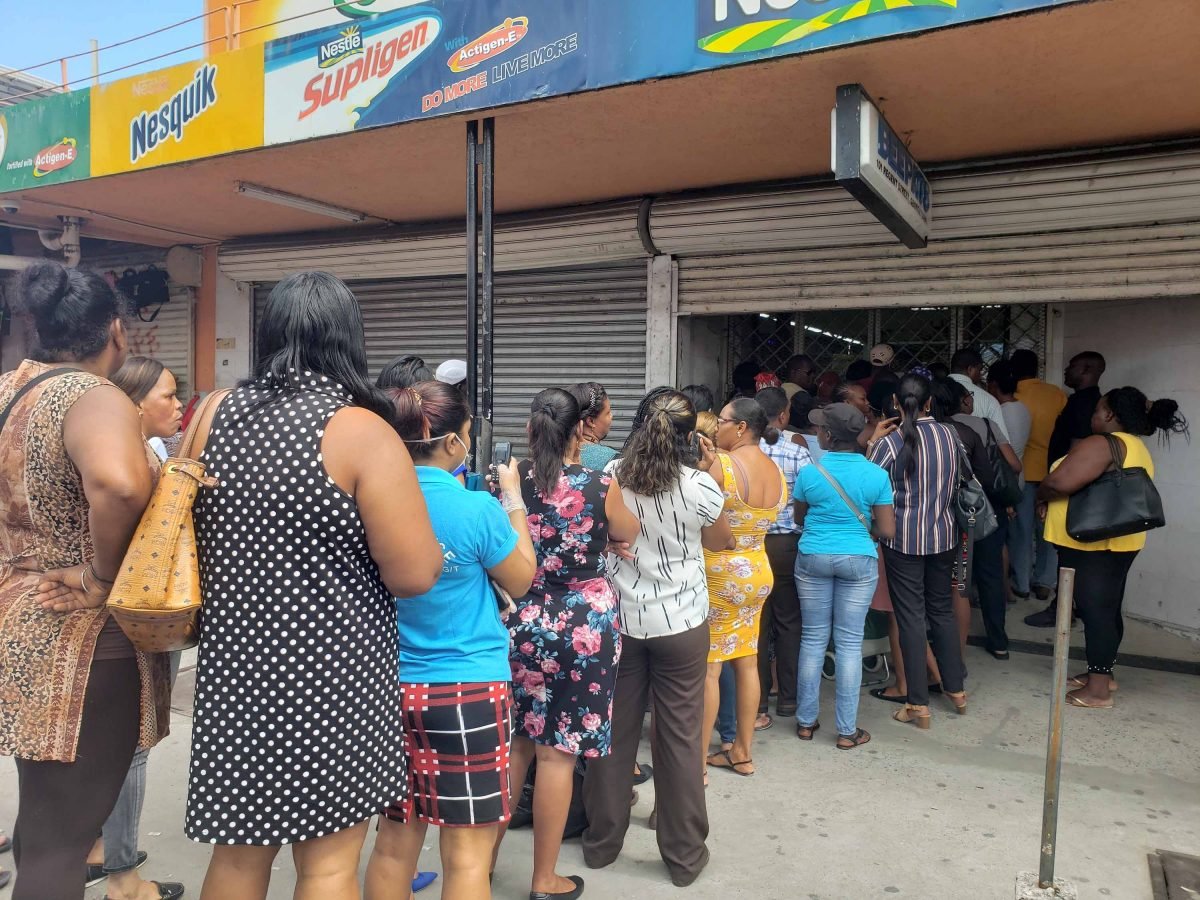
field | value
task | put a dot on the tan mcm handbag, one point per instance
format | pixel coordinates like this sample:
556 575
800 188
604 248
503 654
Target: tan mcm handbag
156 597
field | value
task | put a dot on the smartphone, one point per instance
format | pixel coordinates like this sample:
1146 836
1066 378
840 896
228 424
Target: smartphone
697 450
502 455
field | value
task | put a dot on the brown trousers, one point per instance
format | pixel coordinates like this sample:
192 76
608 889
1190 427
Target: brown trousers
671 670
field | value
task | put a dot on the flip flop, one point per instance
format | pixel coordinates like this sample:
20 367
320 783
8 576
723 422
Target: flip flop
644 774
729 764
857 739
811 729
765 725
423 880
1080 702
878 694
1076 681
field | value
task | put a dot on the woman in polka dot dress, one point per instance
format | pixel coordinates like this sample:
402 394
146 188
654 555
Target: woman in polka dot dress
296 736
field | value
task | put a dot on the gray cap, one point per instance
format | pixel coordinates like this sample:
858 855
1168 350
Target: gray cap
843 421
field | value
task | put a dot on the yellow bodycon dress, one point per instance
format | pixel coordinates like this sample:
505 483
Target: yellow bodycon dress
739 580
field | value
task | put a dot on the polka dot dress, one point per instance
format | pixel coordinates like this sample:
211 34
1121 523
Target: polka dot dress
296 732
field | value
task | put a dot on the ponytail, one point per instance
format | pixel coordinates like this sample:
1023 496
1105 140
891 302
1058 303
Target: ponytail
1137 415
660 446
553 416
912 394
773 401
428 409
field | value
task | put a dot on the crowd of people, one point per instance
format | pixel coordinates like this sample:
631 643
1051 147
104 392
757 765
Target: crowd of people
387 635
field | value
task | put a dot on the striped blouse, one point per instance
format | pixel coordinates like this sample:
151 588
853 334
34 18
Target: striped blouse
923 496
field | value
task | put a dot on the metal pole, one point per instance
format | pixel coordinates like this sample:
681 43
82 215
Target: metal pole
62 64
95 62
488 256
1062 644
473 271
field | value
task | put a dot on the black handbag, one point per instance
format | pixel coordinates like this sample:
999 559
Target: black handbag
972 510
1005 488
1121 501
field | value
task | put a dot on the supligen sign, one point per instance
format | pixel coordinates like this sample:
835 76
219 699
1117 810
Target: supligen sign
873 164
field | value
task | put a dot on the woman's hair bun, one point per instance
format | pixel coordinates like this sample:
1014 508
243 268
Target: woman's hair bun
44 285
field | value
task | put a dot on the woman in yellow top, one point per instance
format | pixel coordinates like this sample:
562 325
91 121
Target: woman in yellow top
740 580
1101 567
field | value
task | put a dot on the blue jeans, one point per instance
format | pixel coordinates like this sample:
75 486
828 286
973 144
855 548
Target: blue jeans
727 710
835 594
1032 560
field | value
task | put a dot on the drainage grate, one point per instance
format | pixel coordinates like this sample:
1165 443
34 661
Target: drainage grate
1174 876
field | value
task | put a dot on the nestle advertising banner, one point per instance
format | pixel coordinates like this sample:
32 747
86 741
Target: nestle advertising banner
426 59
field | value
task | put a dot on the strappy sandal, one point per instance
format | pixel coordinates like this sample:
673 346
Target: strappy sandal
850 741
959 700
763 722
729 764
910 716
806 732
1075 700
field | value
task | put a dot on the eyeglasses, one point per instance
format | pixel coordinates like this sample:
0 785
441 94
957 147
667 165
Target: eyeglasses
721 421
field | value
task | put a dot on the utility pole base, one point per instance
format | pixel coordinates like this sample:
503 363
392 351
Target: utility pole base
1027 889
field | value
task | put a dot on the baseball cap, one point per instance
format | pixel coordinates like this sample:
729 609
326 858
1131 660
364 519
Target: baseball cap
882 355
452 371
841 420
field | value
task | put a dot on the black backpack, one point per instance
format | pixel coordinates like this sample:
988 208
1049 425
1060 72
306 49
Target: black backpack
577 822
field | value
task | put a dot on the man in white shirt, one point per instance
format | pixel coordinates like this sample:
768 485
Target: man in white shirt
966 367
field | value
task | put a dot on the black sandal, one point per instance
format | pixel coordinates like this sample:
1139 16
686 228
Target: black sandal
857 739
644 774
729 764
878 694
806 732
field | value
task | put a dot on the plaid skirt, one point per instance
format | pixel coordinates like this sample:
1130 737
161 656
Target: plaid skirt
457 739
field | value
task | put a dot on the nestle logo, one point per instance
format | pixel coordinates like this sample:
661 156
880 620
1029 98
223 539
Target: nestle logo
348 43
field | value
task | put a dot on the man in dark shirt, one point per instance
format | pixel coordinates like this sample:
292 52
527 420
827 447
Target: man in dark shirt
1074 424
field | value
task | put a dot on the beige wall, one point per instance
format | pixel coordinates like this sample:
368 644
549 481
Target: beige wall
1155 346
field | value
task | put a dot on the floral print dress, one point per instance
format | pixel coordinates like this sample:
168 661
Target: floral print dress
565 635
739 580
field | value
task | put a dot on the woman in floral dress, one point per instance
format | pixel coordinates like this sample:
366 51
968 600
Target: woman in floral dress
740 580
565 640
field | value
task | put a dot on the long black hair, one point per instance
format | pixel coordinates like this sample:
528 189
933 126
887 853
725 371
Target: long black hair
590 395
72 311
553 416
912 394
773 401
312 323
659 446
1138 415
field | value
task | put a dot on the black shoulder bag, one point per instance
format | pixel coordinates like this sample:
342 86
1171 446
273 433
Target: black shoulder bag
1005 488
1121 501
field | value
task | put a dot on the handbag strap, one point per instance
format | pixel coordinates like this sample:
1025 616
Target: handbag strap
29 386
204 415
1114 447
866 523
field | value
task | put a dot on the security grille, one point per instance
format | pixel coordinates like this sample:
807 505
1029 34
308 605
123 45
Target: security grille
920 335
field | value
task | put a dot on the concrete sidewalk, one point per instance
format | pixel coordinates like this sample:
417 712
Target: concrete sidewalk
950 814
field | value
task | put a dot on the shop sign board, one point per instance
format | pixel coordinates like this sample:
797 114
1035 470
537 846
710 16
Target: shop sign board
188 111
44 142
873 164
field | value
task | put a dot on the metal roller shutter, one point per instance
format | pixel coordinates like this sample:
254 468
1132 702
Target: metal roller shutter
168 338
574 236
552 328
561 327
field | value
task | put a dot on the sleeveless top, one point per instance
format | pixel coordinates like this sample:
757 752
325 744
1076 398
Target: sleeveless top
46 657
1136 456
296 730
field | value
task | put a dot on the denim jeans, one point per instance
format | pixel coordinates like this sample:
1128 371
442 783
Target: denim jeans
835 594
1032 560
727 710
120 831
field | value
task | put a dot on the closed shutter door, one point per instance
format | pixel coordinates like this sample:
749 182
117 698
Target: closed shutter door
423 317
557 328
168 338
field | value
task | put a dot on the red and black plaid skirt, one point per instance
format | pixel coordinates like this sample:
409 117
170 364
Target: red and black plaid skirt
457 739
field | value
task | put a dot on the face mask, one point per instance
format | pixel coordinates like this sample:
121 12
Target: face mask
462 466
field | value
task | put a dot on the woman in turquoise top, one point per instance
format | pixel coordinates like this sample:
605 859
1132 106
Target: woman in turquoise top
595 422
837 568
454 670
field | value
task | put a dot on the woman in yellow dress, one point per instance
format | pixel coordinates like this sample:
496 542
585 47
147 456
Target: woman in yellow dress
740 580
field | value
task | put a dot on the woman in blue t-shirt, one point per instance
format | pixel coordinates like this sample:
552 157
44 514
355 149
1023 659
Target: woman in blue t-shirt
454 671
843 504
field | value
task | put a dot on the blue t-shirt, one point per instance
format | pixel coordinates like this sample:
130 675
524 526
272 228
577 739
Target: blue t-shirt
830 526
453 633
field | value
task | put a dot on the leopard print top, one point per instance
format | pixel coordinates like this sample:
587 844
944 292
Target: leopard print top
45 657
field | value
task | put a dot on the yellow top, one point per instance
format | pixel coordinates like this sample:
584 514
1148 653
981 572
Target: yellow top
1136 456
1045 402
